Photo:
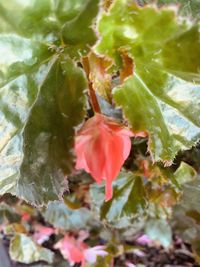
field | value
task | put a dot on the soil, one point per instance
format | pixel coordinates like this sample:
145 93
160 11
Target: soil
158 257
179 255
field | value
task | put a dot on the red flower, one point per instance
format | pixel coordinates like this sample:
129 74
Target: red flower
101 147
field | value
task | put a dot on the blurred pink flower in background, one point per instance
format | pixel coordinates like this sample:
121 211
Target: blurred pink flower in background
144 240
129 264
76 251
138 252
25 217
42 233
91 254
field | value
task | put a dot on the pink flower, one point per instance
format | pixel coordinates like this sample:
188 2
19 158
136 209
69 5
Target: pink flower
129 264
138 252
144 240
25 217
91 254
42 233
76 251
102 146
70 249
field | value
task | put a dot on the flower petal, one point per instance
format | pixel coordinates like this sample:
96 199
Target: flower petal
114 155
95 155
70 249
91 254
42 233
80 147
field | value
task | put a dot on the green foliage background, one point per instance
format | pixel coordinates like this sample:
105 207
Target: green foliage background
44 99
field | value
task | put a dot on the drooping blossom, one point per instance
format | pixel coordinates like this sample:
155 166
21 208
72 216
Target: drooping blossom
102 145
76 251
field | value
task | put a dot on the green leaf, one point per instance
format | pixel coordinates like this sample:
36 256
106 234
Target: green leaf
37 131
190 8
8 214
159 230
186 215
73 32
185 173
42 20
62 24
23 249
35 19
18 56
41 90
128 202
101 262
61 216
163 96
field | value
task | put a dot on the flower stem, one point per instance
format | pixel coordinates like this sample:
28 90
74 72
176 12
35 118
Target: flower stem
93 98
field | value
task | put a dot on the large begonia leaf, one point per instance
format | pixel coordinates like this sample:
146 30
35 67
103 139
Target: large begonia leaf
78 31
25 250
41 89
37 99
61 216
46 20
163 95
37 129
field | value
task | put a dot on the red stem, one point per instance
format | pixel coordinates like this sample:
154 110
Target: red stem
93 98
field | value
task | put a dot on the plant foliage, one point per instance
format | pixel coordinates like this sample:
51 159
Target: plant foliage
98 91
